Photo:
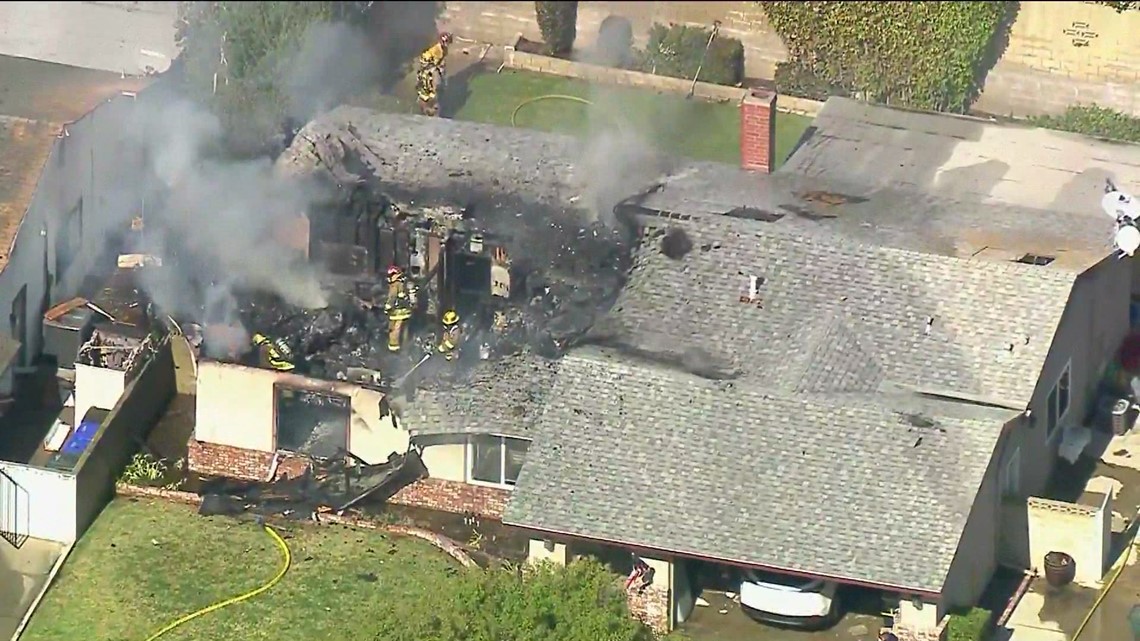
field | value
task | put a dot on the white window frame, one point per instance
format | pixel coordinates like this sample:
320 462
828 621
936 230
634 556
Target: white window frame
469 458
1011 475
1053 402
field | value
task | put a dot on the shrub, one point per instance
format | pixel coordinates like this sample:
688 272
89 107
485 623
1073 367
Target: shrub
615 42
970 625
1092 120
926 55
558 22
578 602
1121 7
678 51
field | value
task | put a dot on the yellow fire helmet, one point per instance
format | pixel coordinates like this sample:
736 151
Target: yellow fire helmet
450 317
258 339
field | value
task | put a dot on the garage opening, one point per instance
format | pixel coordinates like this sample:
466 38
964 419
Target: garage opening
312 423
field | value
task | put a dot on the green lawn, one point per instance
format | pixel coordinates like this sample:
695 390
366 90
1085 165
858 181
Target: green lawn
692 128
144 564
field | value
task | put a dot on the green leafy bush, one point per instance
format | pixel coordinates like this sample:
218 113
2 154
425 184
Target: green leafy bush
580 602
926 55
1121 7
678 51
970 625
558 22
1092 120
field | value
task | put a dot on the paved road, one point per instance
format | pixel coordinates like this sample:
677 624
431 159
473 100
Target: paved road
124 37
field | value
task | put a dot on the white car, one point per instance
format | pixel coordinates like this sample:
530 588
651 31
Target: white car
790 601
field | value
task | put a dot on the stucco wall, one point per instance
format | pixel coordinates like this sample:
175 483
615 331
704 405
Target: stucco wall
1091 330
977 556
99 387
1059 53
235 408
44 503
97 165
1081 531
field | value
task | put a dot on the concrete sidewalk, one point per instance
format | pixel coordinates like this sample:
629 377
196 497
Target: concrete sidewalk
23 575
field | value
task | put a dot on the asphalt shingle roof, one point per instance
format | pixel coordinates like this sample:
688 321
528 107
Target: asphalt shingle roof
836 315
636 453
501 397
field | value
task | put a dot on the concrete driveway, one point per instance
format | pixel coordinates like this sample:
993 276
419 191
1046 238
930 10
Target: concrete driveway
23 574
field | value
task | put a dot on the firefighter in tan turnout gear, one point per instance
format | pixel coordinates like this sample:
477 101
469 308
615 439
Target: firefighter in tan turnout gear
399 305
431 73
449 338
274 353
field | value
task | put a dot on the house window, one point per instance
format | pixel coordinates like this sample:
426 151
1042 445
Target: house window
1011 476
313 423
496 460
1059 400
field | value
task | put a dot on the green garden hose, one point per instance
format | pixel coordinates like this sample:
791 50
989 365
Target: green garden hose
547 97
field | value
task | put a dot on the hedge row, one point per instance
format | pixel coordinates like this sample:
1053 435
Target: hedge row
558 22
1121 7
678 51
926 55
1092 120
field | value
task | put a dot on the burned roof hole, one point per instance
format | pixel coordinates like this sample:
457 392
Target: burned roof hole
707 247
805 213
920 421
831 198
1036 259
676 243
751 213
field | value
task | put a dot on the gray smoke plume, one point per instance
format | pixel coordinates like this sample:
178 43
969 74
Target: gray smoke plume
217 222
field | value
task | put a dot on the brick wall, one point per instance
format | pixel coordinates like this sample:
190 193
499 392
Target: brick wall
758 131
651 606
453 496
211 459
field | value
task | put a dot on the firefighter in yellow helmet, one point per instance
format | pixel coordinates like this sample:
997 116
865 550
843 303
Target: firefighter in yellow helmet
449 338
274 353
431 74
399 305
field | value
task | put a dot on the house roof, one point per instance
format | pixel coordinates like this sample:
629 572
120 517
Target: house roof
501 396
728 471
836 315
36 100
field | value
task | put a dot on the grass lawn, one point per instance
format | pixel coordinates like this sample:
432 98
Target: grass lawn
146 563
692 128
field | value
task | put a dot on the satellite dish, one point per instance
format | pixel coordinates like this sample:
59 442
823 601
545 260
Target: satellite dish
1127 240
1118 204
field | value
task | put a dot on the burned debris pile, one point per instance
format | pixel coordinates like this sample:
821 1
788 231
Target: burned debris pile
503 274
334 484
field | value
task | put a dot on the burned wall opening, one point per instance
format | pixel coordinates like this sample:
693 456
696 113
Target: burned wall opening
310 422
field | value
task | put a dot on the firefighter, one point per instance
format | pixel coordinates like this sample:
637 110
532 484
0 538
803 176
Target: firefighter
275 352
400 303
436 55
427 90
449 338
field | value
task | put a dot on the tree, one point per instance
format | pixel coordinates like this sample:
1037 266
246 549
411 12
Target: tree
558 22
231 56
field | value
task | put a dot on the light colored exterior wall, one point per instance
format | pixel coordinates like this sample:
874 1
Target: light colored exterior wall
235 407
123 37
445 460
94 164
99 387
977 556
537 552
1082 531
44 502
1091 330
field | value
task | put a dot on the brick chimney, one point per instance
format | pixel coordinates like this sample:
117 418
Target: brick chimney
758 131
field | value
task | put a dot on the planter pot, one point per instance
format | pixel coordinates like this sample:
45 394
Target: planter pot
1060 569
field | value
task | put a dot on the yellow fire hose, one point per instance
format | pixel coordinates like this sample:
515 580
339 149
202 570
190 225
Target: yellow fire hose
286 561
1104 592
547 97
